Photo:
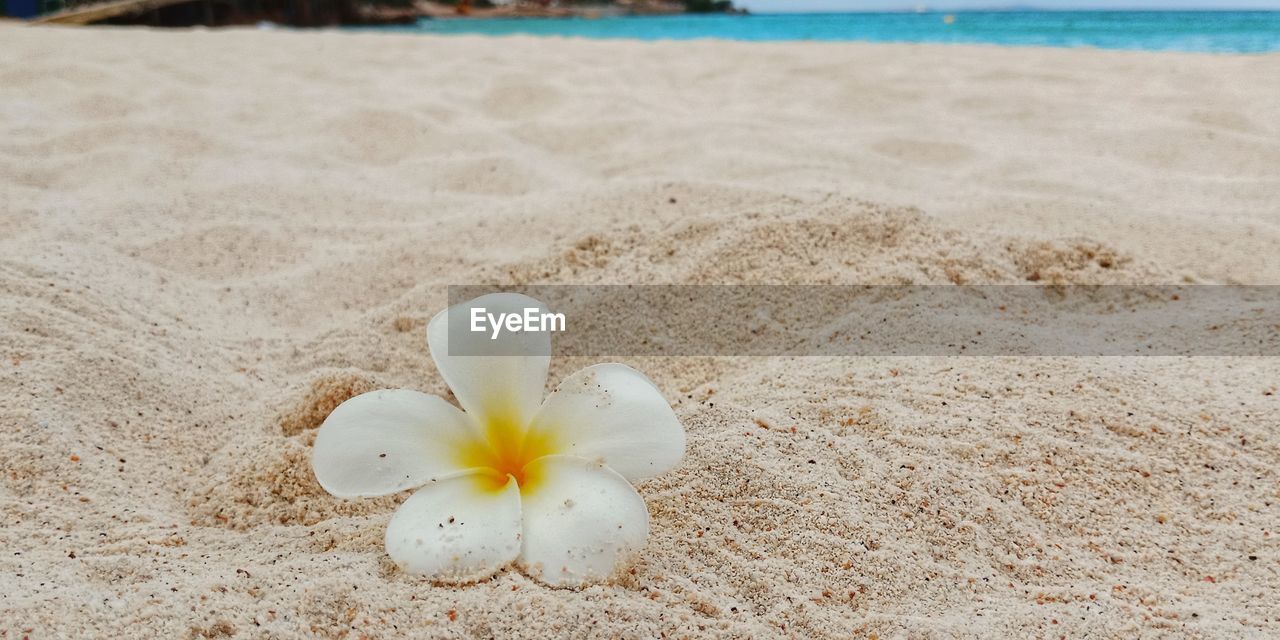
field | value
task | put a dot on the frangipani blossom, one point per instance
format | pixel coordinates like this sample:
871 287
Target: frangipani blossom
511 478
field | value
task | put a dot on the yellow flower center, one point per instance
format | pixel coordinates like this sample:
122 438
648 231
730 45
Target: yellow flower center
504 452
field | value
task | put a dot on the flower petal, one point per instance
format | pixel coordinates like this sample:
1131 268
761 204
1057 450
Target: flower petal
582 521
387 441
613 413
506 387
457 530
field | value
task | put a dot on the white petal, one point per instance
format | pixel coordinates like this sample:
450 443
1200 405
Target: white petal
613 413
387 441
457 530
502 387
582 521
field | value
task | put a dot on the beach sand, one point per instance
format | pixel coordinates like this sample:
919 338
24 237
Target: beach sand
211 238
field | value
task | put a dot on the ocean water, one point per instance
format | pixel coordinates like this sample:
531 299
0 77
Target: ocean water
1211 31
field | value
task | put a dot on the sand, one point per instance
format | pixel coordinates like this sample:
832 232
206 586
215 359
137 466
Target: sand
211 238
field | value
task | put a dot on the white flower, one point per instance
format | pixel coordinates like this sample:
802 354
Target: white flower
544 483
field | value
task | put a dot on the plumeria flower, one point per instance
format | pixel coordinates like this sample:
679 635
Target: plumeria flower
511 477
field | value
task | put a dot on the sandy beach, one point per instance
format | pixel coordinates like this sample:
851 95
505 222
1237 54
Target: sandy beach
211 238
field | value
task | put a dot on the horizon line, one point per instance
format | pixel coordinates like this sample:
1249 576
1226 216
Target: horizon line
1013 9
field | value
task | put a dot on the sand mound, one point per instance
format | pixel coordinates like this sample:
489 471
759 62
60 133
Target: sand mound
841 242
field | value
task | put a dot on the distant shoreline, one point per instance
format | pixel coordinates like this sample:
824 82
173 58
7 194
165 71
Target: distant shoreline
323 13
463 11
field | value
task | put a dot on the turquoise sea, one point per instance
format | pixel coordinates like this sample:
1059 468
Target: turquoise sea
1216 31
